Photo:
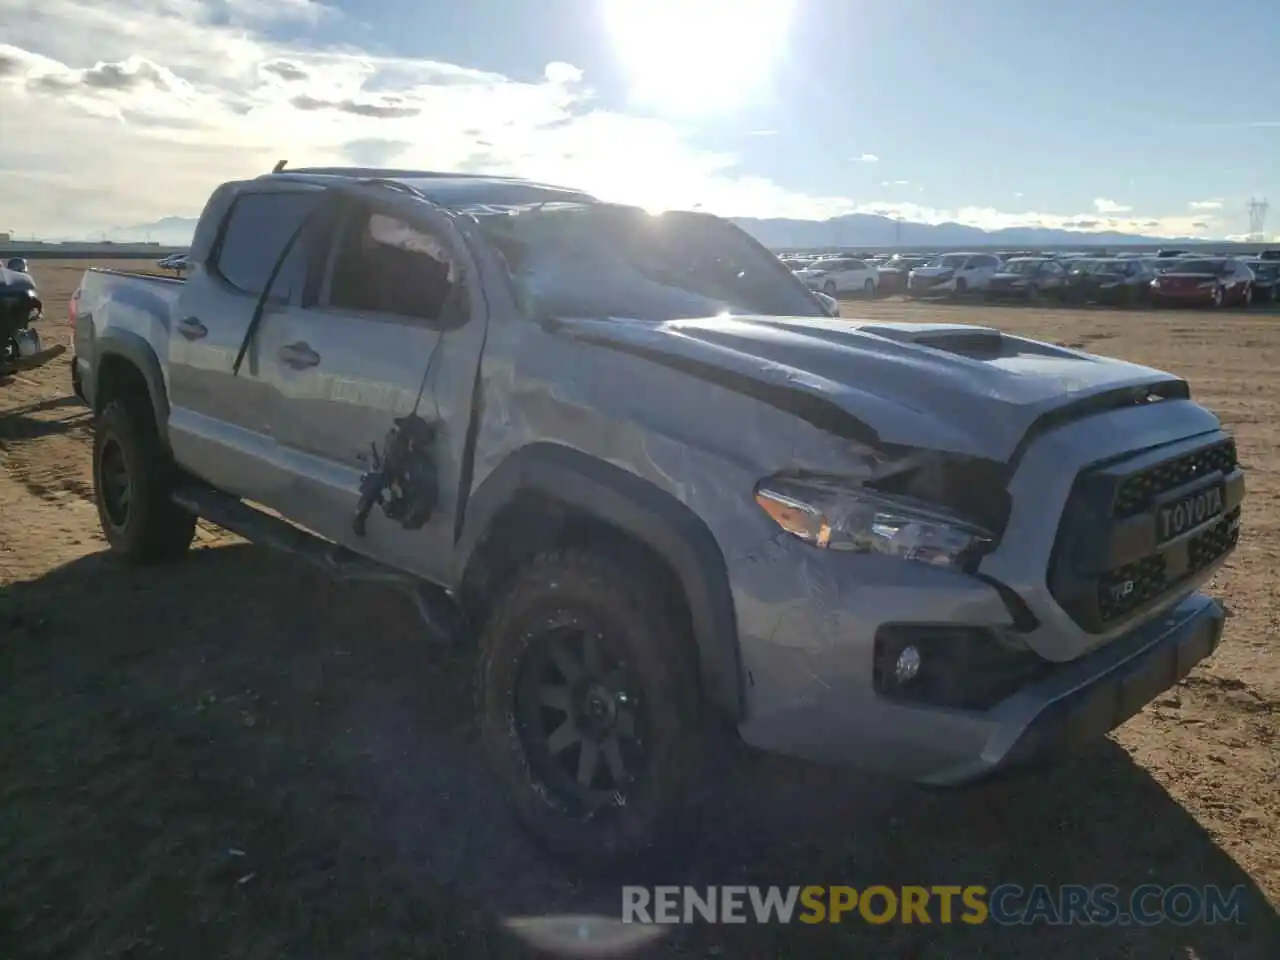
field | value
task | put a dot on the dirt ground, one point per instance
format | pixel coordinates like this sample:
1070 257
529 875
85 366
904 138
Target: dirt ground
231 757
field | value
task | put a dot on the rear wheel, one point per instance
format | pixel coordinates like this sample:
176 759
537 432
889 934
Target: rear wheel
1246 298
869 287
962 287
133 479
829 288
1219 296
589 711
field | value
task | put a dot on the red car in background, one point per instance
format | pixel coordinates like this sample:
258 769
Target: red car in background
1213 282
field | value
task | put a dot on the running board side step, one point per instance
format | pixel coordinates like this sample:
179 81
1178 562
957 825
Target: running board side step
435 606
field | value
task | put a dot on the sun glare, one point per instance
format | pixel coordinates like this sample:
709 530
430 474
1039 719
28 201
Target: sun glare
697 56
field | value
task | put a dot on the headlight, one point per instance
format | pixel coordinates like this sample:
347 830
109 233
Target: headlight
834 516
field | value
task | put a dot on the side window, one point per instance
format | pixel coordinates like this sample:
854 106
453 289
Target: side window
384 265
256 230
855 265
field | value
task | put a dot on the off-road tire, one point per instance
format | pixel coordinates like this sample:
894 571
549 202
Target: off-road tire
154 529
659 817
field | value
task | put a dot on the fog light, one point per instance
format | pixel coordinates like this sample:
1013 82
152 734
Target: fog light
907 665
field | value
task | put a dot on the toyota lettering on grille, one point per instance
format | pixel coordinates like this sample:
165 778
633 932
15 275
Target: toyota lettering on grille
1187 513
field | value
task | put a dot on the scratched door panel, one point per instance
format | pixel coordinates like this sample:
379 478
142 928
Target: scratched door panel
366 372
342 376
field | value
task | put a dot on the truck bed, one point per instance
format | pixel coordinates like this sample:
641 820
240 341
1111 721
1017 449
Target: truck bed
136 274
122 303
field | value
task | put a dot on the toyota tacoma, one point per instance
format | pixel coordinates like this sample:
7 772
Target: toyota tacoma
634 462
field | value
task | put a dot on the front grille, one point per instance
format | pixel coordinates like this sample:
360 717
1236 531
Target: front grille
1108 562
1132 586
1214 542
1138 492
1126 588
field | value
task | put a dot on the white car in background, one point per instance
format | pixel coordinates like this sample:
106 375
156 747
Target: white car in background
838 275
950 273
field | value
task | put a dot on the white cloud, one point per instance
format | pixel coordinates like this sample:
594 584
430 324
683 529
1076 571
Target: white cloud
267 11
1205 204
867 158
122 113
558 72
1103 205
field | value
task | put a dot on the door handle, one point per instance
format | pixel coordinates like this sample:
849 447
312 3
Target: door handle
192 328
298 355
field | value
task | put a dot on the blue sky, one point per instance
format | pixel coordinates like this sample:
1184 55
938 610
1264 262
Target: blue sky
1154 116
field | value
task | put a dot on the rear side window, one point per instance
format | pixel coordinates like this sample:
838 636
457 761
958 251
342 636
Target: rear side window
257 228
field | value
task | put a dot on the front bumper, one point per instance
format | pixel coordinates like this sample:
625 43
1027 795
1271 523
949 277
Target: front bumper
1182 296
931 288
809 621
1075 703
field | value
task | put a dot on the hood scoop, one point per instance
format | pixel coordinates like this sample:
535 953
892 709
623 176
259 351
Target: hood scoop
965 340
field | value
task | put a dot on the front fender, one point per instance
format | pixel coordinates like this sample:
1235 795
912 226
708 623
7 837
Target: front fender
647 513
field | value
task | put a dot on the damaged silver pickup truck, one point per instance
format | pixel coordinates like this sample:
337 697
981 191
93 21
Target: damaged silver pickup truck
639 466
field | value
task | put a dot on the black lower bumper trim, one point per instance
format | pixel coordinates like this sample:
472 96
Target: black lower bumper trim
1088 714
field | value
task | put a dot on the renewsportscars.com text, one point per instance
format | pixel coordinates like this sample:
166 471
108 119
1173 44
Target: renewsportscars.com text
1005 905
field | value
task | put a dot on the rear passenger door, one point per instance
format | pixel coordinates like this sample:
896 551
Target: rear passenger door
221 424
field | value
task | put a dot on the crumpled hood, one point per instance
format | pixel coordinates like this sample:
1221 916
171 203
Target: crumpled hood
952 387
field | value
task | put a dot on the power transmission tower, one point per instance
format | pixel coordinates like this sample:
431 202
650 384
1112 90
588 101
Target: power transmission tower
1258 219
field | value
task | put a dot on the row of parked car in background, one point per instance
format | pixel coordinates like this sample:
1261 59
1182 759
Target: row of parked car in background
1168 277
177 262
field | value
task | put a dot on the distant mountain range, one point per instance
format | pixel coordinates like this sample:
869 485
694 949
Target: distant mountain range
853 230
870 230
167 232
